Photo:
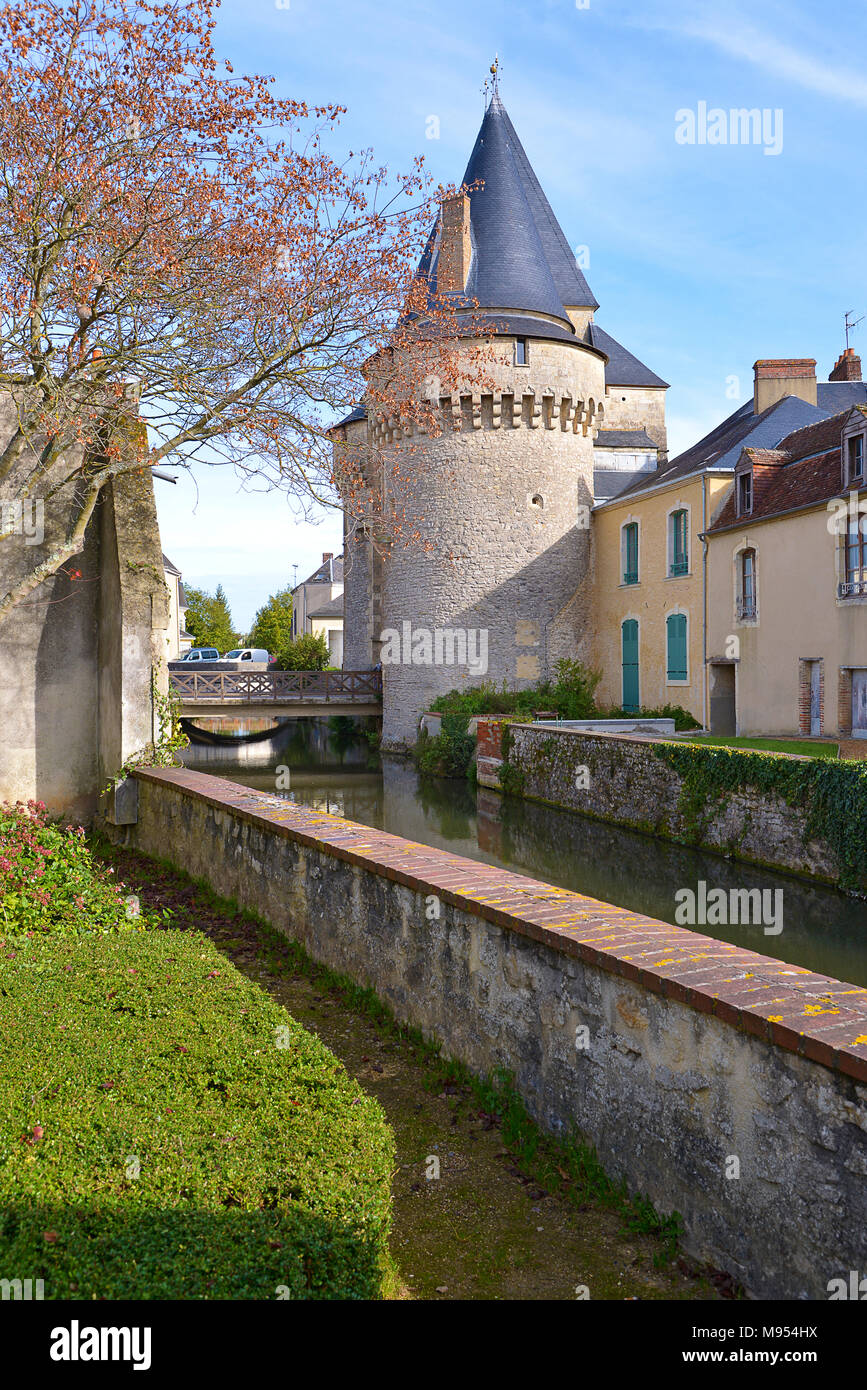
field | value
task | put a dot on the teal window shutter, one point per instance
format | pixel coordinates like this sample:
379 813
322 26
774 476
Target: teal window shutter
679 544
629 658
630 553
676 646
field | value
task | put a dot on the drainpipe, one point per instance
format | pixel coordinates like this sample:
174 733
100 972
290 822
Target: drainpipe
704 543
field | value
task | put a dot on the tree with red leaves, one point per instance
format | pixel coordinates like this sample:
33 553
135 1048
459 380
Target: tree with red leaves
179 251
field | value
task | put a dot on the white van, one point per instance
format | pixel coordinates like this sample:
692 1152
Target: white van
200 654
248 658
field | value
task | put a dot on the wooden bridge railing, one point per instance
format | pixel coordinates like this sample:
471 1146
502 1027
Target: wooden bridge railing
281 687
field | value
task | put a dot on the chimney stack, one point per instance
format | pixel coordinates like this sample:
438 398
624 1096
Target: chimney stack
453 266
847 367
327 555
783 376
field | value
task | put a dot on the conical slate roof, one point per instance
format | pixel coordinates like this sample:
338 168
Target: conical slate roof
520 256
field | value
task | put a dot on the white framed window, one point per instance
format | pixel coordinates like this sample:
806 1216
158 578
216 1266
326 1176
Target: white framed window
629 552
678 542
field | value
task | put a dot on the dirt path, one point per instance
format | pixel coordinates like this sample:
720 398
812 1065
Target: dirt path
482 1228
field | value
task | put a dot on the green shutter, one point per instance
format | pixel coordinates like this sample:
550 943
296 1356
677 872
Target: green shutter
629 650
630 559
676 646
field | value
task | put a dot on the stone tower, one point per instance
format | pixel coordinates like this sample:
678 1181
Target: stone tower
498 587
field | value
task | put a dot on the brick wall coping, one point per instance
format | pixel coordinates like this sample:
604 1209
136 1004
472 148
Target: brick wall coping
813 1015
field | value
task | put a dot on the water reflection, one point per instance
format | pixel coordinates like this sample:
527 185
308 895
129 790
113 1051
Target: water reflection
823 929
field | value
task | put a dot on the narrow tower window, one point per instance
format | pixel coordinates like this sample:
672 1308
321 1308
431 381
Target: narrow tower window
520 352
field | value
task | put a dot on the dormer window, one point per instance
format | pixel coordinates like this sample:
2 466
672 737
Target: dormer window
855 457
520 352
745 494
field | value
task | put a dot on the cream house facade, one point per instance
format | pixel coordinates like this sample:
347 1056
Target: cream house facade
787 587
649 597
656 616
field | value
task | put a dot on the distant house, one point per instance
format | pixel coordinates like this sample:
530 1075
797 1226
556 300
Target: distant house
329 621
317 605
787 586
178 640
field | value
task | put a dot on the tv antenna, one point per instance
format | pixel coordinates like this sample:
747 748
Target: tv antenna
294 576
850 324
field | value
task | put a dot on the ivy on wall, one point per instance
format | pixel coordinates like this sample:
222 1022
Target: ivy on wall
832 793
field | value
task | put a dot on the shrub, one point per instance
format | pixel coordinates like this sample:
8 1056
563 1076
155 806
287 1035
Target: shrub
570 695
304 653
49 881
448 753
683 720
158 1141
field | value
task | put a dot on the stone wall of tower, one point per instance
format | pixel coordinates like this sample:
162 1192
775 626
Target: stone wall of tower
500 499
360 561
638 408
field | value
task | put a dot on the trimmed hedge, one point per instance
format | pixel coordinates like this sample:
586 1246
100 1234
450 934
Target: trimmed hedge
157 1140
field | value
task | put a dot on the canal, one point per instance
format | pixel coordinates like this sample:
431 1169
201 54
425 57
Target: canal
328 764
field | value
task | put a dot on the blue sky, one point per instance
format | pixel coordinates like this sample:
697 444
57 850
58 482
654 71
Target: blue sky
703 256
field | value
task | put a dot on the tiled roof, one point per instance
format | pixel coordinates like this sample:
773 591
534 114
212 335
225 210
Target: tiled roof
329 572
610 482
332 609
623 439
359 413
520 258
803 471
721 449
623 368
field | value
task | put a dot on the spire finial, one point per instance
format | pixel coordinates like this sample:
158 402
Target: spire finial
492 84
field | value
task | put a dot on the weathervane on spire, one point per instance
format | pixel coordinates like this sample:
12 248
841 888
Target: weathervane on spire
493 83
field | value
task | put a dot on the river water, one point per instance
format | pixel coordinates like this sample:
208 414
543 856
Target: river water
330 768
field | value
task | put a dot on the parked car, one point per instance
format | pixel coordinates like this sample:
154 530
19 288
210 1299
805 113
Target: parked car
200 654
248 658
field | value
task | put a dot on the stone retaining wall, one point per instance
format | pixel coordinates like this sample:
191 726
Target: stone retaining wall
697 1052
617 777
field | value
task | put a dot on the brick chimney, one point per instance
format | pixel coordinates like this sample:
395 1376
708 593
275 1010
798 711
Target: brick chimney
847 367
776 377
453 265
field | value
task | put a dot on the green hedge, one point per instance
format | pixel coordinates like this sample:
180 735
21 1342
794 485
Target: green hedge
261 1167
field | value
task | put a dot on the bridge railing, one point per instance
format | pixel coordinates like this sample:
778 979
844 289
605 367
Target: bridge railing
283 687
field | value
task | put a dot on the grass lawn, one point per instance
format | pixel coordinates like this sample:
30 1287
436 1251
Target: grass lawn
167 1130
805 747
